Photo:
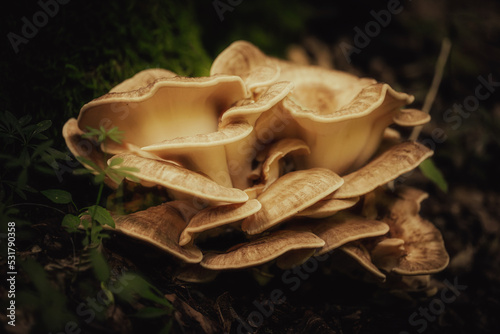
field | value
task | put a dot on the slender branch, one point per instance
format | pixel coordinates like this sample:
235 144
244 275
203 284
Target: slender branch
438 75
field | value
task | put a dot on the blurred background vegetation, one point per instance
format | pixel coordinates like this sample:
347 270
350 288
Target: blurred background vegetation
87 47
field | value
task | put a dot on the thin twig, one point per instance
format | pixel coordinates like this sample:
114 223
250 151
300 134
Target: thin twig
438 75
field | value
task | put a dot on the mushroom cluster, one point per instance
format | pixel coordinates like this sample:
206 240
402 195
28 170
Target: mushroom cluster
268 162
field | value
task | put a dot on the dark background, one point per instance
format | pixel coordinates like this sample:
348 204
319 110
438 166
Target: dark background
88 47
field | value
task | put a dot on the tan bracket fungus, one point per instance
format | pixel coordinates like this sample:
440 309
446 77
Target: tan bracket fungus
213 217
295 156
289 195
160 108
361 255
328 206
340 229
389 165
327 107
160 226
171 176
424 250
261 250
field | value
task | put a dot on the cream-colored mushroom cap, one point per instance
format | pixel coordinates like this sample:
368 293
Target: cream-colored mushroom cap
177 146
165 109
240 58
172 176
159 226
261 250
328 106
388 166
142 79
251 110
289 195
411 117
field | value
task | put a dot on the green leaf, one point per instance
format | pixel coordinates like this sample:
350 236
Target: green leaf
107 292
128 169
430 171
41 148
116 135
24 120
20 193
24 158
10 120
91 164
85 223
82 171
22 179
99 264
56 154
115 162
49 160
42 126
45 170
99 178
134 285
114 176
57 196
151 312
91 132
101 215
71 223
40 136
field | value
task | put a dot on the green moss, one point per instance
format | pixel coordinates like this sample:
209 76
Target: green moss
89 47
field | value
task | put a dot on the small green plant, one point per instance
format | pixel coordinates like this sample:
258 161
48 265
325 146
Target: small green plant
135 286
25 149
92 220
26 154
